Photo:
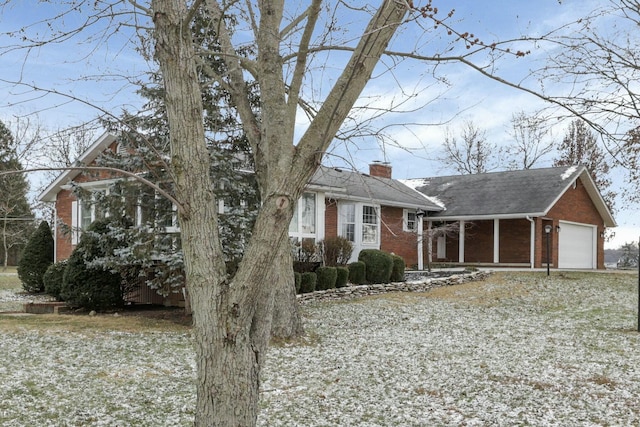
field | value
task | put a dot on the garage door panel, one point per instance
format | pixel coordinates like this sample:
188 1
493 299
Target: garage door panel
576 246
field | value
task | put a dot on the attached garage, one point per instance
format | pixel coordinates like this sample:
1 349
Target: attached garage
577 245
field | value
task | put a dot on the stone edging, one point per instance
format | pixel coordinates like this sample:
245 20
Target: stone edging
411 286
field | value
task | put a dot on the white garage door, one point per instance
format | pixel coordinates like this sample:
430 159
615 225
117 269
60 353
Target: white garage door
576 246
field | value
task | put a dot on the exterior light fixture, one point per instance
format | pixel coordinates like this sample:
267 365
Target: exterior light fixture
547 231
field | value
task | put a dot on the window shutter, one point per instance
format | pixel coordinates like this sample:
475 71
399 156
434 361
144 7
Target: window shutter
75 223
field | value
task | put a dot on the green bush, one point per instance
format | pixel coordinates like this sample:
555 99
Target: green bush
85 284
53 279
298 281
397 272
36 258
326 278
308 282
378 265
337 251
342 277
357 272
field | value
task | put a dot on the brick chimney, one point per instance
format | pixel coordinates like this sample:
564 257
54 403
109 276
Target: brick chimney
381 169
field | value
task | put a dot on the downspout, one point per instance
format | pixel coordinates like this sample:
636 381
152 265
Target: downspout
532 248
55 231
420 243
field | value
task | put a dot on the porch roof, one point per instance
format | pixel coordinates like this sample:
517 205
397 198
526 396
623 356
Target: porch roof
531 192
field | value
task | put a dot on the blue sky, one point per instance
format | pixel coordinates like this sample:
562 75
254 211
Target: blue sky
77 67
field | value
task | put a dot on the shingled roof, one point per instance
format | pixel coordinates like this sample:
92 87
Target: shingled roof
509 194
343 184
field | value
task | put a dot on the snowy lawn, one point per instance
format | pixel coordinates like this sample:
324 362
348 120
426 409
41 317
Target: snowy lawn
516 349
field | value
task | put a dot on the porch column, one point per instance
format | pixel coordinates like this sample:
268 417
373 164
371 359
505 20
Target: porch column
429 243
420 249
532 249
461 242
496 241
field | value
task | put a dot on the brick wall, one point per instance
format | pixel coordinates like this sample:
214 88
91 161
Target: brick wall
515 240
576 206
63 238
394 240
478 242
330 218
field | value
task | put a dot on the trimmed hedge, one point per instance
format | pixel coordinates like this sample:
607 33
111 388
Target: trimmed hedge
53 279
397 272
308 282
342 277
378 264
36 257
326 278
357 273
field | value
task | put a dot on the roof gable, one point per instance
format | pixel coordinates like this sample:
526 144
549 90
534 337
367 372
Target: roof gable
531 192
90 154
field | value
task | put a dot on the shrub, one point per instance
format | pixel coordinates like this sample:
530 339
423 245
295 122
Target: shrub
357 273
86 284
378 265
397 272
326 278
305 267
308 282
298 281
337 251
306 251
53 279
36 258
342 277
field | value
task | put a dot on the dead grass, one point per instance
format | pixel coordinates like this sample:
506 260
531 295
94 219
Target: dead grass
489 292
89 324
9 281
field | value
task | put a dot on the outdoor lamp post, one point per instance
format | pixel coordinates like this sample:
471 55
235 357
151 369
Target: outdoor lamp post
547 230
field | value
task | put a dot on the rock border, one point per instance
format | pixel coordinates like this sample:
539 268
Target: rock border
423 285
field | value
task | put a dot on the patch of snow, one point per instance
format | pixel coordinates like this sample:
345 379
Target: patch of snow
567 174
416 183
516 349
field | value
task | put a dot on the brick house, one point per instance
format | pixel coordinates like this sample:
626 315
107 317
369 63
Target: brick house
505 218
501 216
373 211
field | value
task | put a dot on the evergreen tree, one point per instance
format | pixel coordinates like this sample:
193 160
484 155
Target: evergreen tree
36 258
86 282
144 139
15 212
580 147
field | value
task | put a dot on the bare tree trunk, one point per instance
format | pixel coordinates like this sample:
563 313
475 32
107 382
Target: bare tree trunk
5 247
287 320
233 319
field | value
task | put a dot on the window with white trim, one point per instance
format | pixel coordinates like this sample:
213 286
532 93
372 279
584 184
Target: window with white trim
369 225
409 220
359 223
303 223
154 210
85 211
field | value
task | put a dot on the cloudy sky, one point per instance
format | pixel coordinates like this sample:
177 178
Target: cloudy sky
434 99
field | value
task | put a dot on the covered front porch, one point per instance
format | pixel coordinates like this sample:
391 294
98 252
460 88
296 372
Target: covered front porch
494 242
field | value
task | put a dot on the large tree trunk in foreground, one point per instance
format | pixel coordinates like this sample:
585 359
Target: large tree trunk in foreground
287 319
232 320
